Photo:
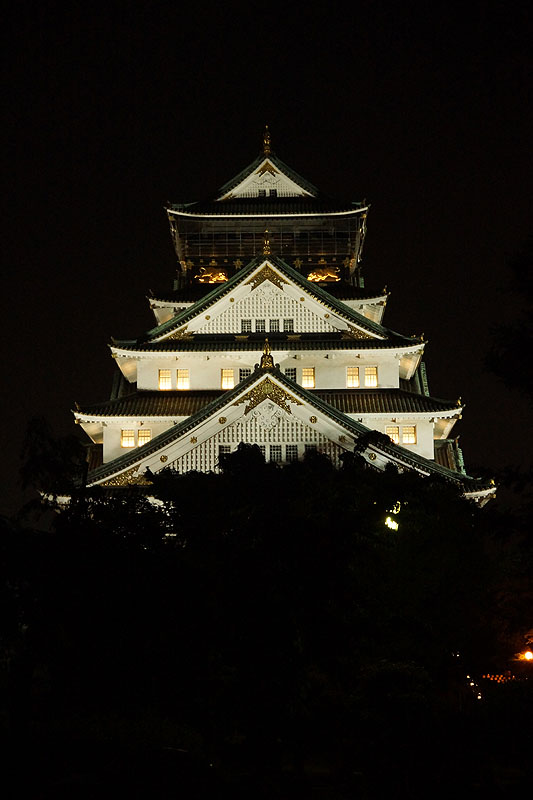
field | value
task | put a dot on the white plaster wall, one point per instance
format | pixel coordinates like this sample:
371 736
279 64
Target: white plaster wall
112 431
268 302
330 371
424 432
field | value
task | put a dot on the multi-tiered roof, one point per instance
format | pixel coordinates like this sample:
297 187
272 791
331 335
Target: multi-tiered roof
270 266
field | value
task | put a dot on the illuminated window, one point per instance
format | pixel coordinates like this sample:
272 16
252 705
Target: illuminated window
291 452
352 377
183 379
393 432
165 381
145 435
274 325
127 438
409 434
275 452
290 372
244 373
288 325
246 325
308 377
371 376
260 326
227 379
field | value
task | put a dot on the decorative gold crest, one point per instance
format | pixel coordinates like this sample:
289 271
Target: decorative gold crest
355 333
182 333
267 390
127 478
267 274
267 167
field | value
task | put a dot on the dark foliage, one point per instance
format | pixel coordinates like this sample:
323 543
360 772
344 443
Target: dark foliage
265 617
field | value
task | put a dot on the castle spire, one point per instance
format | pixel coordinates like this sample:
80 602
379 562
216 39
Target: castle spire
266 243
266 142
267 361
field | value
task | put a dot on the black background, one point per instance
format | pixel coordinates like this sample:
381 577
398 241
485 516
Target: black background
422 109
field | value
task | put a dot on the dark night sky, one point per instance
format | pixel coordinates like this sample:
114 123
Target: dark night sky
422 109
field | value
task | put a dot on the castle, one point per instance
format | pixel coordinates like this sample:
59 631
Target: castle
269 337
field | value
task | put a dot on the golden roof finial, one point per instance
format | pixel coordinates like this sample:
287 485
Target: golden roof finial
266 243
267 361
266 141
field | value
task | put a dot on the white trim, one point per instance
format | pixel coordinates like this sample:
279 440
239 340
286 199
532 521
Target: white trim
251 216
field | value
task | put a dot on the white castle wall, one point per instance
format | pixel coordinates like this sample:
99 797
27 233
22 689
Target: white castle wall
330 368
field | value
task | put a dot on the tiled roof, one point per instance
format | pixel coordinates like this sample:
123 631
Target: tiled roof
152 404
347 401
255 341
382 401
265 206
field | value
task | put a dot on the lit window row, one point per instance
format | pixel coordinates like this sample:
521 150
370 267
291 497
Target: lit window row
165 379
227 377
406 434
134 438
260 325
308 376
370 377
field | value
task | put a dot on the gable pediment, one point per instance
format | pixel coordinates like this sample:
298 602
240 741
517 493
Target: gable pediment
265 179
268 289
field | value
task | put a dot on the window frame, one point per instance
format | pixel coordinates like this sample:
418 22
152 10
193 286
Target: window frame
393 437
183 378
163 378
127 434
352 381
371 377
308 378
226 378
144 433
409 434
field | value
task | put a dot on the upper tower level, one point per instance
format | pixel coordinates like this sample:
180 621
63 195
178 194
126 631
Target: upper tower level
320 237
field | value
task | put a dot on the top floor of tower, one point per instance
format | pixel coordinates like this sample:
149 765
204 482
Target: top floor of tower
269 205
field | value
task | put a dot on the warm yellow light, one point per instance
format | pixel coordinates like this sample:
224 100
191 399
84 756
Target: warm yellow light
324 274
308 377
211 274
528 655
391 523
227 379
